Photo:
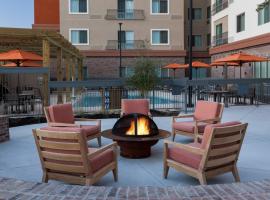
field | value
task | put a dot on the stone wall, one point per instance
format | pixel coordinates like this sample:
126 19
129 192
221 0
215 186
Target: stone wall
4 129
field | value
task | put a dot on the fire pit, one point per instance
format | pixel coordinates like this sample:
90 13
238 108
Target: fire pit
135 134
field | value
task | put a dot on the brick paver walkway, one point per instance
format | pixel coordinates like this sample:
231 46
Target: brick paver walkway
15 189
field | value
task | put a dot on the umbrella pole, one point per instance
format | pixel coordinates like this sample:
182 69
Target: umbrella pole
174 73
240 72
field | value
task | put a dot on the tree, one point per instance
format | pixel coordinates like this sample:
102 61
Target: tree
145 76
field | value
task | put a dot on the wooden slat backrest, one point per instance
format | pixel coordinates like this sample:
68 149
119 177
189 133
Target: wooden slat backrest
223 147
62 152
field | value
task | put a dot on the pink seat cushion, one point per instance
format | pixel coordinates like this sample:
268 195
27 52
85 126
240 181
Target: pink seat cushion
188 126
206 110
208 130
61 113
130 106
101 160
184 157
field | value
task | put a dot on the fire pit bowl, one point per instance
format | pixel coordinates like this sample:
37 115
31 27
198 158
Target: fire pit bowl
135 134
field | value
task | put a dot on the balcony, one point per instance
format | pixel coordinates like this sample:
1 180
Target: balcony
220 39
127 45
114 14
217 7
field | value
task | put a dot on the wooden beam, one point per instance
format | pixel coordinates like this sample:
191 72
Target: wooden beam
59 73
68 66
46 63
80 69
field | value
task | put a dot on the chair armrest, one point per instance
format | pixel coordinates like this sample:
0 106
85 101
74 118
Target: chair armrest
55 124
88 120
208 120
182 116
102 149
185 147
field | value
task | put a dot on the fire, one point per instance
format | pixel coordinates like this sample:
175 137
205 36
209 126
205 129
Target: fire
142 127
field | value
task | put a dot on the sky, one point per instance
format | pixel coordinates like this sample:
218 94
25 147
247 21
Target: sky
17 13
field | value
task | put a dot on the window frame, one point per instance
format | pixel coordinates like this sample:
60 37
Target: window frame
80 29
151 9
160 44
78 13
237 17
263 10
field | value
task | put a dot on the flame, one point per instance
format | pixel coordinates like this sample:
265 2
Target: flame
142 127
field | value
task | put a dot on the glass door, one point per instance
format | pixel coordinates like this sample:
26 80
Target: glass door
129 40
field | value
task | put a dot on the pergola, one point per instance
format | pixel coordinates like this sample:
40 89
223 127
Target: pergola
48 44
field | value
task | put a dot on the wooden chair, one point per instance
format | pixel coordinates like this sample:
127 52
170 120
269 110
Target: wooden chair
205 113
65 157
61 115
217 154
141 106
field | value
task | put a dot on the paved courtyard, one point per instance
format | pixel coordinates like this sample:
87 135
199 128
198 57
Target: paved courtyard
19 158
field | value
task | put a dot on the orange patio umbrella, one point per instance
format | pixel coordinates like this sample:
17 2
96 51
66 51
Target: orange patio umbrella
24 64
198 64
19 56
241 58
216 64
175 66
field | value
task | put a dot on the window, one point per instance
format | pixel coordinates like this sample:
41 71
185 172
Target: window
208 39
240 23
160 37
78 6
160 6
79 36
196 14
127 39
208 12
127 72
264 14
196 40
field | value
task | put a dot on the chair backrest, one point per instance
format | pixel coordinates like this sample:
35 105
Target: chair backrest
60 113
223 144
62 152
208 110
130 106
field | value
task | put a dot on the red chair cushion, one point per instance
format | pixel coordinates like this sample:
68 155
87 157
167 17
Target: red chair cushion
100 160
189 126
208 130
206 110
184 157
130 106
61 113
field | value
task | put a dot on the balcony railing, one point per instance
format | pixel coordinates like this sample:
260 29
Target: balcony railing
114 14
217 7
220 39
128 44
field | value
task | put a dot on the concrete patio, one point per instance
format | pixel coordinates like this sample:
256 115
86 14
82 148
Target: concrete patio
19 158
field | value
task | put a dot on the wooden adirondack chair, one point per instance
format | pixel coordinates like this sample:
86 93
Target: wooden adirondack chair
61 115
217 154
65 157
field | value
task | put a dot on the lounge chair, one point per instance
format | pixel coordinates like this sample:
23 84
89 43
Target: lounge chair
217 154
205 113
61 115
65 157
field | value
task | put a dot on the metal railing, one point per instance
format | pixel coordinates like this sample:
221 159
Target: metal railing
114 14
217 7
126 45
220 39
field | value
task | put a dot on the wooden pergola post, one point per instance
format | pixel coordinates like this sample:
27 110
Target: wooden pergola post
80 69
59 74
46 63
68 65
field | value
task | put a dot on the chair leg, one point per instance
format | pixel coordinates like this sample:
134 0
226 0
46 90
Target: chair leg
235 174
165 171
88 182
173 135
45 178
202 179
115 174
99 141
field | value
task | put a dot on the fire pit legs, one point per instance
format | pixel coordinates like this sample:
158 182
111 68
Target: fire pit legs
140 149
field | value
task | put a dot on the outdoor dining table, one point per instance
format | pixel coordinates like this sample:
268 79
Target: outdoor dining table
218 94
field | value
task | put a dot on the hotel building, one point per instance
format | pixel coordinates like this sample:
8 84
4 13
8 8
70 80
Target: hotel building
240 25
154 28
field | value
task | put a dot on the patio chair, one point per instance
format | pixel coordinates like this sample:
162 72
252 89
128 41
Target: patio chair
61 115
217 154
140 106
205 113
65 157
